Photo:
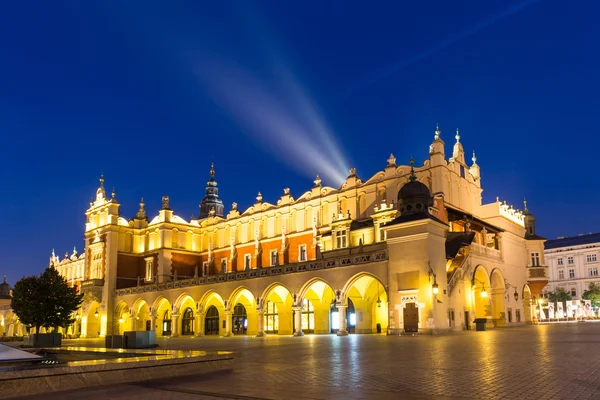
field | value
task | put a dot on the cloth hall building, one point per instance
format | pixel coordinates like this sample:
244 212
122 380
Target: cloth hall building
411 249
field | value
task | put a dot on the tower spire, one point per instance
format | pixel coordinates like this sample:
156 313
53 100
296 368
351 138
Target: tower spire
412 176
437 132
212 171
211 203
457 137
525 210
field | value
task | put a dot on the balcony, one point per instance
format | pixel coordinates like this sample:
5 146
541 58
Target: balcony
93 287
539 273
484 251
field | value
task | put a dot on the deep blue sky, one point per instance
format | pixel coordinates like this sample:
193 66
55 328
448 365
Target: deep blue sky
151 92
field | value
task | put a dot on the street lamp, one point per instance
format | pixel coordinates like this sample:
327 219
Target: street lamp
434 287
121 320
484 292
516 295
96 314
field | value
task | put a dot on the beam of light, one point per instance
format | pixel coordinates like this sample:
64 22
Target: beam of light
295 132
437 47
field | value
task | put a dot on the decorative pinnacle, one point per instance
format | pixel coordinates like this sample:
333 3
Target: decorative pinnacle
142 203
259 198
474 158
391 160
317 181
525 205
114 193
457 136
412 176
437 132
101 180
212 170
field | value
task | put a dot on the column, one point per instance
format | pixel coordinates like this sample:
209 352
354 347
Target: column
298 321
174 326
261 322
133 320
342 331
200 324
228 324
153 322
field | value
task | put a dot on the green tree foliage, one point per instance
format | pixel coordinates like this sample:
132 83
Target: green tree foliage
593 294
46 300
559 295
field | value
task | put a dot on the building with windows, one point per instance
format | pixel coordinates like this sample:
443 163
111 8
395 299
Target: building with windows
573 263
410 249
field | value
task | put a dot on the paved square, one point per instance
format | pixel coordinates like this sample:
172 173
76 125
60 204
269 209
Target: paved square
532 362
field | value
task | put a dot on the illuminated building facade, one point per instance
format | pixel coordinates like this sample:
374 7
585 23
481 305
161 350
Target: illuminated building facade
411 249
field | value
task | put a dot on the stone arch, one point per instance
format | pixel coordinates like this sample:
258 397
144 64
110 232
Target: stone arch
277 302
480 287
186 308
91 321
321 296
370 300
240 324
527 304
213 299
162 311
121 317
141 312
497 299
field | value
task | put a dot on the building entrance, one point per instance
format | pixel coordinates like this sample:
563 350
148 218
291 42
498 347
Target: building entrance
411 318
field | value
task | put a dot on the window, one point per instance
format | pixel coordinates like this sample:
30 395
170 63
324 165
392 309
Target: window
273 257
591 258
509 316
535 259
573 292
560 261
518 315
342 239
149 268
271 318
571 273
96 272
205 268
462 171
302 252
308 316
561 274
570 260
223 265
247 261
593 271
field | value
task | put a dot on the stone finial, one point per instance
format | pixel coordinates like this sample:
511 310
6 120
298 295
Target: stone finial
212 170
113 193
141 214
526 210
101 180
474 158
259 198
391 161
352 171
457 136
165 203
286 191
437 132
412 176
234 206
317 181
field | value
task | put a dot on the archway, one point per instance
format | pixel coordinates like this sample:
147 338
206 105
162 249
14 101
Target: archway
187 322
211 321
278 310
527 302
368 296
162 313
497 298
92 321
141 310
240 319
480 286
317 297
213 299
2 326
245 317
121 318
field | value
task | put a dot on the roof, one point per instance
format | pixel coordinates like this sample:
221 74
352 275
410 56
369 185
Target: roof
414 217
534 237
453 212
456 240
573 241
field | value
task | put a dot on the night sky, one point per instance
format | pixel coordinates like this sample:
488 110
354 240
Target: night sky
274 92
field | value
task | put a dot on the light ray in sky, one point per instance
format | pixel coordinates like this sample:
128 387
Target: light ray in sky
437 47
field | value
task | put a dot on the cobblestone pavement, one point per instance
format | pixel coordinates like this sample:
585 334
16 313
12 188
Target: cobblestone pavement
532 362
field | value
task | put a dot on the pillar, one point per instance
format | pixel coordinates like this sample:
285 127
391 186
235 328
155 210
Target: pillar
153 322
228 324
174 325
298 321
133 320
342 331
260 323
200 324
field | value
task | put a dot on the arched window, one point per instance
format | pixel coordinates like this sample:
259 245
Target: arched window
166 324
240 319
187 322
211 321
308 218
278 225
271 318
175 238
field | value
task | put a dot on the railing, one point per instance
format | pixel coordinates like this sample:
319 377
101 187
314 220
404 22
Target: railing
538 273
363 258
92 282
485 251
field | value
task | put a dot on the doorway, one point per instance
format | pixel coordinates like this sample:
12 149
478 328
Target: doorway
411 318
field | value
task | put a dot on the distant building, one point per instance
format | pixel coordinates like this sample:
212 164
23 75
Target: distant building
573 263
410 249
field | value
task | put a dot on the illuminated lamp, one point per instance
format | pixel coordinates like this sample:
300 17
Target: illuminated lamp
96 314
435 288
484 292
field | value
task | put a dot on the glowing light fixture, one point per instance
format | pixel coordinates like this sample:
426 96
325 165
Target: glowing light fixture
96 314
77 317
435 288
121 320
484 292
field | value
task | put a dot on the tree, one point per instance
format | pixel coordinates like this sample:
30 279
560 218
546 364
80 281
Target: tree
559 295
593 294
46 300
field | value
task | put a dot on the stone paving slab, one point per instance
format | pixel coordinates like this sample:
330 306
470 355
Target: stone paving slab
533 362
